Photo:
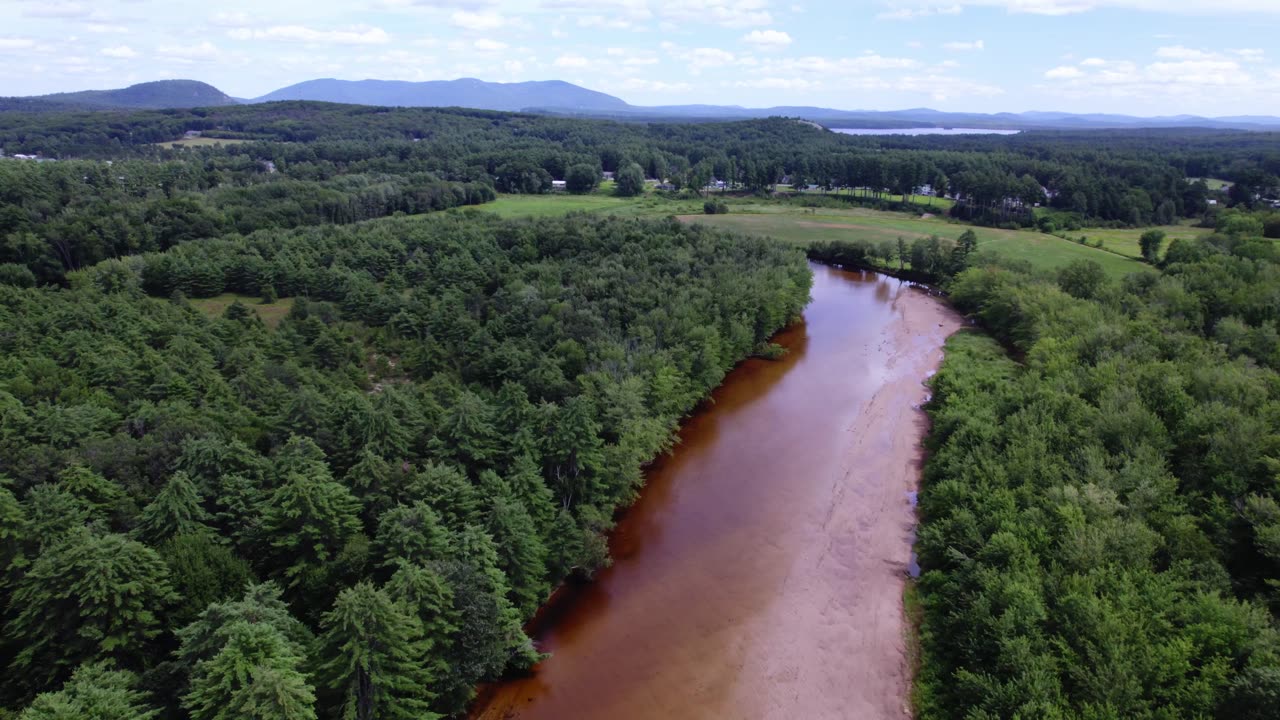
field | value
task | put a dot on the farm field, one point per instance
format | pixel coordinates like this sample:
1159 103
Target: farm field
1125 241
271 313
801 225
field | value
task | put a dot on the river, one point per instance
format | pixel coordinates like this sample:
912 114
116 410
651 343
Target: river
760 574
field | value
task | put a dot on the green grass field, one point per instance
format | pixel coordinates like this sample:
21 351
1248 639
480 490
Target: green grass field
1213 183
1125 242
201 142
794 223
559 204
271 314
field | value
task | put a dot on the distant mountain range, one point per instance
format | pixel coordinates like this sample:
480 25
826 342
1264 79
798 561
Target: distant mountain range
555 97
467 92
143 96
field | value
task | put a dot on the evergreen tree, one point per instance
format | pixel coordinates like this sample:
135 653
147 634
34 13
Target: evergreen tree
175 510
307 520
95 691
87 598
372 658
255 673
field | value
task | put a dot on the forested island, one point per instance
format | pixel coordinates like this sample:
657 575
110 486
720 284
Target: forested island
292 427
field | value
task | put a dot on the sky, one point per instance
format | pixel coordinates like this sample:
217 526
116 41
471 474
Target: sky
1141 57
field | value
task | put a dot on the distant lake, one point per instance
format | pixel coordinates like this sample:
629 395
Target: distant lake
923 131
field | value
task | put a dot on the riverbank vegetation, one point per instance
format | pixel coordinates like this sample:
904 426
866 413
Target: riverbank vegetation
207 517
268 449
1099 517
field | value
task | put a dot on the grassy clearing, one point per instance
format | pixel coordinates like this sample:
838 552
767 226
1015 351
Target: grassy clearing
1213 183
201 142
603 203
1045 252
1125 242
800 225
271 314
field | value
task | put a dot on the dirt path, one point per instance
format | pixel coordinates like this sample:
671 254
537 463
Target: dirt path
761 573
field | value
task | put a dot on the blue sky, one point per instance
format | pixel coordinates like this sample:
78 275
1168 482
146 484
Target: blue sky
1148 57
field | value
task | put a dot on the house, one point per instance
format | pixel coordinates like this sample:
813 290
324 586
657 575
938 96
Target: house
664 186
1211 201
608 174
191 134
19 156
559 185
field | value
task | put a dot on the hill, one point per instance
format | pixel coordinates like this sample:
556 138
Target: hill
143 96
466 92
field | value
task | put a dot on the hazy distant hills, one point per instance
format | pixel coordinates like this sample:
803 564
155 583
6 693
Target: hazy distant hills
467 92
143 96
555 97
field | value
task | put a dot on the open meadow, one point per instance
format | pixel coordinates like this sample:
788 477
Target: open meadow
270 313
792 222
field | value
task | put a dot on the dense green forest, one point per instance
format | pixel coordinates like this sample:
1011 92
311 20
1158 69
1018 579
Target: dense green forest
299 163
350 515
1100 529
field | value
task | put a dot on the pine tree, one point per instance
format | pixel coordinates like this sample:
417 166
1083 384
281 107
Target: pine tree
90 597
175 510
275 694
372 658
94 692
413 534
256 668
521 555
307 521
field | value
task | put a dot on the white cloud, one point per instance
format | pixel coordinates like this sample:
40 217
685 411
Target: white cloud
489 45
120 51
1068 7
1184 75
642 85
965 46
767 38
709 57
105 29
913 13
202 52
355 35
231 20
726 13
600 21
775 83
571 61
1064 71
55 10
477 20
1093 62
1178 52
16 43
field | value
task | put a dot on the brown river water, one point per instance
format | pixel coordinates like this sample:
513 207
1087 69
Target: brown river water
760 574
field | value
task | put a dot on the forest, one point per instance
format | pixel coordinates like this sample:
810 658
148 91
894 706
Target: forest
353 511
1100 512
115 189
351 515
